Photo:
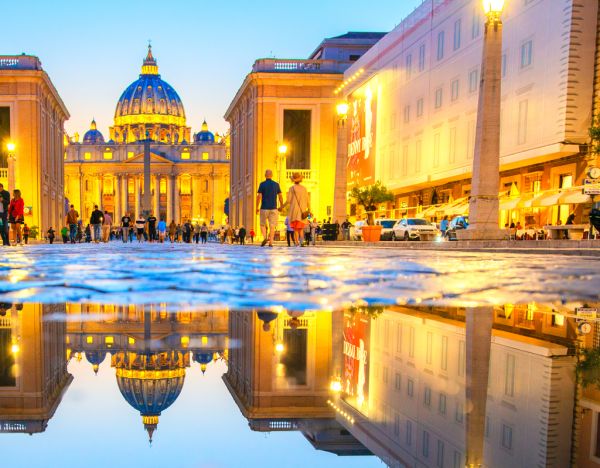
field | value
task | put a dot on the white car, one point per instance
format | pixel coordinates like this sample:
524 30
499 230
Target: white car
356 230
387 226
414 229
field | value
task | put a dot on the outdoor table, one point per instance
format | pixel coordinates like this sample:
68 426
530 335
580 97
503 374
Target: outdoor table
574 231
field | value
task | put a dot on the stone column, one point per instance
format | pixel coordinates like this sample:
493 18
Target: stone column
117 198
169 199
479 321
138 195
176 199
99 187
195 197
341 184
157 195
484 201
124 194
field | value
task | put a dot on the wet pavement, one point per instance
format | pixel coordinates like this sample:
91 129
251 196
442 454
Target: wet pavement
218 276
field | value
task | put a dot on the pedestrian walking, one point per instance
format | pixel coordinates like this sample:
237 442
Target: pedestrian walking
204 233
197 230
72 218
50 235
252 235
299 209
125 227
444 226
140 227
346 225
268 194
289 232
242 235
4 203
172 231
162 230
152 227
64 232
16 212
106 226
25 234
96 220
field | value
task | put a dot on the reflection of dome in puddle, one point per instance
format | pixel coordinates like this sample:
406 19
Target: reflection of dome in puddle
204 359
150 382
95 358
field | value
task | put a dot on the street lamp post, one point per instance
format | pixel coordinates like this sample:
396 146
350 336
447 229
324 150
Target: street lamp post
12 159
484 200
282 150
341 159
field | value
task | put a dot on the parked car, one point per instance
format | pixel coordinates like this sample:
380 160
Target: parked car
414 229
387 226
456 224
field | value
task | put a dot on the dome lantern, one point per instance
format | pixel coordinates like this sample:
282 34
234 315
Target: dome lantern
149 67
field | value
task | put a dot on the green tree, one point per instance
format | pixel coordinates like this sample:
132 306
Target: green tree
371 196
595 136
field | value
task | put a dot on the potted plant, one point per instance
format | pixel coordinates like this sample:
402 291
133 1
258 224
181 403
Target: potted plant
369 197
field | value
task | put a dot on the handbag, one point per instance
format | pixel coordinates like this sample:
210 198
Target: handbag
304 214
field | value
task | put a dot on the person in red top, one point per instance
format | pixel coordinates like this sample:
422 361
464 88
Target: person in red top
16 215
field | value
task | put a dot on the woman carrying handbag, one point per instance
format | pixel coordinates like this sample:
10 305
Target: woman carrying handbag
297 199
16 212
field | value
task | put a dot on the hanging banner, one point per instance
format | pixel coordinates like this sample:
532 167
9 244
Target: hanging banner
362 138
357 331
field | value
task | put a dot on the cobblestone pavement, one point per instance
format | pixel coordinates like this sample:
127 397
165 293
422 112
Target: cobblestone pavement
216 276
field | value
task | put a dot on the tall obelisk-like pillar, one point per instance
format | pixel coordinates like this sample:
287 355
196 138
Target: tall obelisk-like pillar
147 199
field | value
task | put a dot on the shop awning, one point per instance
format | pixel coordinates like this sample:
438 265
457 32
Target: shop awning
509 203
573 197
460 207
546 199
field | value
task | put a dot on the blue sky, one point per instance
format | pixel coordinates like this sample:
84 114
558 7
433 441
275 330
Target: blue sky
93 50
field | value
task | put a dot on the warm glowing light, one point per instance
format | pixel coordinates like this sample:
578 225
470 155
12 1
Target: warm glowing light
10 146
89 339
109 340
185 340
335 386
204 340
282 149
342 109
15 348
279 348
493 7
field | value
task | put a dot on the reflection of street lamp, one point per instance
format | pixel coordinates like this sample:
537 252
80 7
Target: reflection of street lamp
341 163
335 386
11 147
483 200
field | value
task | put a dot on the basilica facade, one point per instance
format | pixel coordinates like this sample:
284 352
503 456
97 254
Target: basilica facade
189 172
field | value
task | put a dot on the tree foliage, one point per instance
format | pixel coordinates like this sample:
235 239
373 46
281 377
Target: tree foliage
594 132
371 196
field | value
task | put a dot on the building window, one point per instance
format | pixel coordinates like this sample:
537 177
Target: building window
406 114
457 31
185 155
411 342
425 448
408 66
297 133
408 433
509 376
205 156
420 107
427 397
457 460
444 350
429 348
163 186
440 45
385 375
354 57
455 90
399 333
422 57
442 404
397 425
522 122
130 154
417 170
451 159
507 437
473 80
526 54
461 359
87 155
438 97
476 26
398 383
108 155
410 390
405 160
459 413
440 454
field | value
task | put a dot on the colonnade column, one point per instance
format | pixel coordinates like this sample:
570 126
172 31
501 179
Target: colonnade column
195 199
157 195
138 195
176 199
169 199
124 194
99 187
117 198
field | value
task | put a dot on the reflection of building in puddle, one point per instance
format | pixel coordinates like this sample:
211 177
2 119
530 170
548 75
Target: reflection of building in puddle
33 366
278 374
150 349
403 386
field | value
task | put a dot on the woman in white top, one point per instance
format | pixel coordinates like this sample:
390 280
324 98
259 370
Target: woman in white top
297 199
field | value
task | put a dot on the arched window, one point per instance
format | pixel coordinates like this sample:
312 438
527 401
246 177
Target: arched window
125 107
186 185
150 105
163 106
136 106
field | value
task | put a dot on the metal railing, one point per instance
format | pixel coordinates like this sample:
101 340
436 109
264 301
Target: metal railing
308 175
20 62
3 173
298 66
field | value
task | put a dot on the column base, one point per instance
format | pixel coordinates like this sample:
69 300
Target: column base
481 233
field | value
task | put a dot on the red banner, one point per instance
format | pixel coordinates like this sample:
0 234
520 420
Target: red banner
362 138
357 330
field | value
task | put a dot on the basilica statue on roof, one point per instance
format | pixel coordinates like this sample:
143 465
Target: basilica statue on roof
189 172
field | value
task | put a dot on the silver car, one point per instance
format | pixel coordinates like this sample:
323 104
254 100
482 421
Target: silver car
414 229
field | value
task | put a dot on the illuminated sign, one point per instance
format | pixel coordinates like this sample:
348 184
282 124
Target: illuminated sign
357 331
362 138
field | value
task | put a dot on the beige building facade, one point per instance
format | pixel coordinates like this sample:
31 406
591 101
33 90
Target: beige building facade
413 112
32 117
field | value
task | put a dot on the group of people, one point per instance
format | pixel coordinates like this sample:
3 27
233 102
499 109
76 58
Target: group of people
13 229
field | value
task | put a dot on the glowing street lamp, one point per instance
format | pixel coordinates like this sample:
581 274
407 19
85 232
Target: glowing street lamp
484 203
282 150
11 148
342 110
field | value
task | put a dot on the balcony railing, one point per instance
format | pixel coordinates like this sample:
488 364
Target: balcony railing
308 175
298 66
3 174
20 62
